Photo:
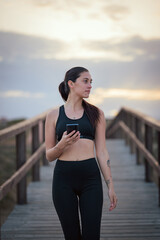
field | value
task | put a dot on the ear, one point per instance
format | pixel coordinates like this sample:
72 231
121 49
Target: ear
70 83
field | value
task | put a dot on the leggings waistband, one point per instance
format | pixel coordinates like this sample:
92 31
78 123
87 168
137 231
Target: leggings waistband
72 161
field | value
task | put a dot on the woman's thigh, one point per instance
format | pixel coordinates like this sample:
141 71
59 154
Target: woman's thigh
66 205
91 203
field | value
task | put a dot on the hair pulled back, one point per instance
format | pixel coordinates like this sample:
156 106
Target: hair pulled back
91 110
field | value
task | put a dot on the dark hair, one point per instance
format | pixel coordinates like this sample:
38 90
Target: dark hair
91 110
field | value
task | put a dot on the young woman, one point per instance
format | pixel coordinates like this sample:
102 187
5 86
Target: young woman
77 186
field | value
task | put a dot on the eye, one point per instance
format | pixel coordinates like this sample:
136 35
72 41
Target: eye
86 81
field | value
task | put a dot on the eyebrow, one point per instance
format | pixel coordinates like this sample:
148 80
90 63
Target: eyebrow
88 79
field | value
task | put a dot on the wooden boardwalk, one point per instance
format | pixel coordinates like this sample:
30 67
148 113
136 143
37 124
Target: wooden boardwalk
136 217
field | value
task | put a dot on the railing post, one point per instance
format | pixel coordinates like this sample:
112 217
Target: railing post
130 127
138 132
148 145
120 130
133 130
44 160
20 160
116 134
127 123
141 138
123 120
158 139
35 145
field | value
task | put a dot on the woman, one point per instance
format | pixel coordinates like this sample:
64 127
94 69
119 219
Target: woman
77 186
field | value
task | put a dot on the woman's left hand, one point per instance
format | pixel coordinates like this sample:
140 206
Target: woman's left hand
113 199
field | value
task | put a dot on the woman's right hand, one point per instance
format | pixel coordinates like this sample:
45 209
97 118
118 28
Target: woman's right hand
67 139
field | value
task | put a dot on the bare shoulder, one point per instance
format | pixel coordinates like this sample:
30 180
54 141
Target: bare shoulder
52 115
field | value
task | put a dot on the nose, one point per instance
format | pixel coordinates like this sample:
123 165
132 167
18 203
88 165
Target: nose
90 86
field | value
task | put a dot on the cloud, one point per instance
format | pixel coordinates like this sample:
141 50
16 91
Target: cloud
21 94
14 46
63 4
100 94
127 49
43 3
116 12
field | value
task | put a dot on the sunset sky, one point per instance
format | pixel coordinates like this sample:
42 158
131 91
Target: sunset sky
118 41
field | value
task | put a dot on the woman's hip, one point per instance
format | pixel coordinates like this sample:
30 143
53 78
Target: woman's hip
73 172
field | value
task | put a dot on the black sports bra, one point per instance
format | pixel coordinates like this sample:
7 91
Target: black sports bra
85 127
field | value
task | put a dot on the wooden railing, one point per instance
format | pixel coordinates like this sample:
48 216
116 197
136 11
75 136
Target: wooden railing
23 165
142 133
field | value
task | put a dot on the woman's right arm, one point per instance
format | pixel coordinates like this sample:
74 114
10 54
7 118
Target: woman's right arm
53 150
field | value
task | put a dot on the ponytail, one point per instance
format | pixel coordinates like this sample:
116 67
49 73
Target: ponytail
92 112
63 91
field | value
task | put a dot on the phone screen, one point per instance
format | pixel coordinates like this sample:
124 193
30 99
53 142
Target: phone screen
71 127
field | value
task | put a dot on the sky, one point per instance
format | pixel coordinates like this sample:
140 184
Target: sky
118 41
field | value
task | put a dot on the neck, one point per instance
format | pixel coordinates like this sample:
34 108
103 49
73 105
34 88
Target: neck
74 104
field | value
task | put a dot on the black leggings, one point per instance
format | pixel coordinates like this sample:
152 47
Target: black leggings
77 187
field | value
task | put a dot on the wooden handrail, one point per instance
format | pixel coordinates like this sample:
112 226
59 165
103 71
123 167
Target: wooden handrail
137 129
23 166
22 126
143 117
21 172
152 160
128 120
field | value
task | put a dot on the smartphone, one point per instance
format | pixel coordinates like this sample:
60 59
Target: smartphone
71 127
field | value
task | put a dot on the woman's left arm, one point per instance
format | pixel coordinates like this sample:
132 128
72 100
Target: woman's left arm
104 159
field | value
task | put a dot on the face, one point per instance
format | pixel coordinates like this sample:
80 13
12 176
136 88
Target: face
82 86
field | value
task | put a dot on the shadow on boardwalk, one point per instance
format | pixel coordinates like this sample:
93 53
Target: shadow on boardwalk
136 217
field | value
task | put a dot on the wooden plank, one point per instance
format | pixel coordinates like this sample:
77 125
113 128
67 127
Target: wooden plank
136 217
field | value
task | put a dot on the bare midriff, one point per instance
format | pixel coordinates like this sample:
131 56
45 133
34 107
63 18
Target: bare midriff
80 150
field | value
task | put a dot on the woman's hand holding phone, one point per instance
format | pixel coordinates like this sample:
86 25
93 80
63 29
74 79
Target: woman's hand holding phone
68 139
